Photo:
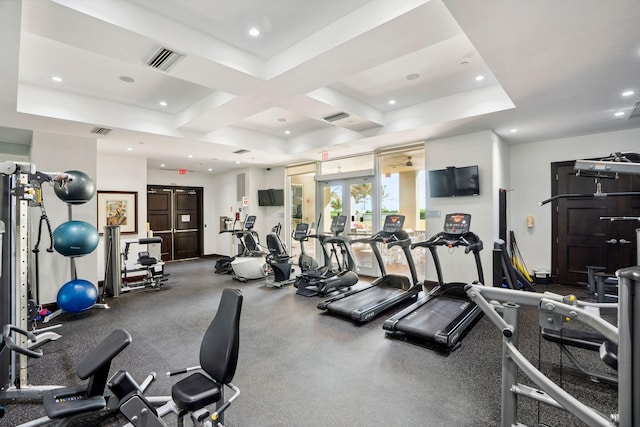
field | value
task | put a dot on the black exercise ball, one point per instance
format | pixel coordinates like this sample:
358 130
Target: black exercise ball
79 188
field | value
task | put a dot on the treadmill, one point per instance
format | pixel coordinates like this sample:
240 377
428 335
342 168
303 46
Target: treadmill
444 314
362 305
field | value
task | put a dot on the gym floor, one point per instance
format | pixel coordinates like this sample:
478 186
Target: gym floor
301 367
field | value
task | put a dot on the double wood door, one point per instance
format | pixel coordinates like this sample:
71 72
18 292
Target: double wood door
582 237
175 214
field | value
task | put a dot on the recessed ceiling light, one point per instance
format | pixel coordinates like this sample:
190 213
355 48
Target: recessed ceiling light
127 79
254 32
210 169
162 165
514 130
628 93
619 113
129 149
479 78
163 103
413 76
56 79
237 162
190 156
392 101
464 61
287 132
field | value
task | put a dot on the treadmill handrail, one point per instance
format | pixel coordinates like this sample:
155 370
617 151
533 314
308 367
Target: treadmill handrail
380 237
402 243
469 240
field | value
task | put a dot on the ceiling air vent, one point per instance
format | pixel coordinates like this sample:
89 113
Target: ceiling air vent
100 131
240 151
335 117
163 59
635 112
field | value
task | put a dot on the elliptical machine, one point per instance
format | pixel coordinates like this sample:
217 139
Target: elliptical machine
305 261
338 272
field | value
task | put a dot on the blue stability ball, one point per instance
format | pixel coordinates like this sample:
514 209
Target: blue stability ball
75 238
77 295
79 188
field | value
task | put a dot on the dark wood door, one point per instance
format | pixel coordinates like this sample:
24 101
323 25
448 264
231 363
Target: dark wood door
187 218
175 214
582 237
159 216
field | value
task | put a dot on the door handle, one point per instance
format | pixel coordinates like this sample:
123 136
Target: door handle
624 241
612 241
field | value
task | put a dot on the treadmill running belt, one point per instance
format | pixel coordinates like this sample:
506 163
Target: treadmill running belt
429 319
364 299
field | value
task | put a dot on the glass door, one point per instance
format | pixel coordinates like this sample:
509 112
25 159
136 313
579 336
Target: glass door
354 199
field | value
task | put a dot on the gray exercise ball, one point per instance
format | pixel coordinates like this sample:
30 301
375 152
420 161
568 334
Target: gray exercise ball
79 188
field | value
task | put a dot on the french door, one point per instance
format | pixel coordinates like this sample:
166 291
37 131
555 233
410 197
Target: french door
353 198
175 214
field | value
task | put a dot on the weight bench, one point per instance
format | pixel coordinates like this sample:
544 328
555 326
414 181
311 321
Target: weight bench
153 268
80 400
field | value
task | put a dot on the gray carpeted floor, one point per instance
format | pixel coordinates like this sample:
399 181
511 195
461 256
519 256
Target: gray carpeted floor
301 367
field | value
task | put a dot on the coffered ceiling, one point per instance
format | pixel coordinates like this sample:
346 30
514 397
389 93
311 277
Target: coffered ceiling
400 71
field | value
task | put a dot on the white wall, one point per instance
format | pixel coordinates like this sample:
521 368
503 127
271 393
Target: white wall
270 216
531 183
123 173
466 150
59 153
226 204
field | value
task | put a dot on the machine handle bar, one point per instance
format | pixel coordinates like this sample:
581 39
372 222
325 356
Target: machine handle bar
11 345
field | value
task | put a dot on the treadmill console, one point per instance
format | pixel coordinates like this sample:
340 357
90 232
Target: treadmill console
393 224
250 222
301 231
337 224
457 223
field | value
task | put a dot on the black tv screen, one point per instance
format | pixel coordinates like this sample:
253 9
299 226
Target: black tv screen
441 183
264 198
277 197
454 182
467 181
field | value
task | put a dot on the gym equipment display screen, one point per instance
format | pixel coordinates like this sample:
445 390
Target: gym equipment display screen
454 182
393 223
457 223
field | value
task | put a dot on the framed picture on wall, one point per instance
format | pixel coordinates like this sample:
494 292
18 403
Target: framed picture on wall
118 208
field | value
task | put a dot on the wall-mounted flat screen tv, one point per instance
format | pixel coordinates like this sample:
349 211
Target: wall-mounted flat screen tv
264 198
467 181
271 197
277 197
454 182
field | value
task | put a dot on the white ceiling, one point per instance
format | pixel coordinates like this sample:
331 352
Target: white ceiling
551 69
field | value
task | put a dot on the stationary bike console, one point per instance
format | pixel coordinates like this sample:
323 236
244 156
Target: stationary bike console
300 233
